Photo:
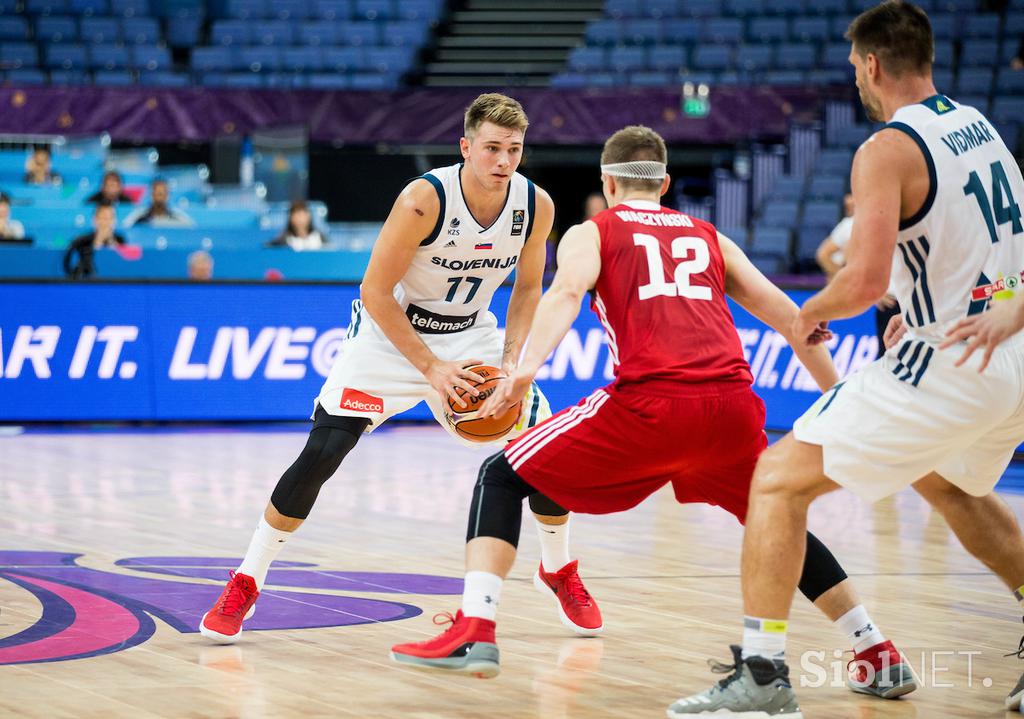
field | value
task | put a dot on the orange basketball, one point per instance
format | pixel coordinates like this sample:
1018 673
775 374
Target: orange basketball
481 429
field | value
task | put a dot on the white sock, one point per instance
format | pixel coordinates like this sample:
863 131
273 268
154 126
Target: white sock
764 637
266 543
554 545
857 625
481 594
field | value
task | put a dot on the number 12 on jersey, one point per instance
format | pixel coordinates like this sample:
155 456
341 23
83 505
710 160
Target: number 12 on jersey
680 285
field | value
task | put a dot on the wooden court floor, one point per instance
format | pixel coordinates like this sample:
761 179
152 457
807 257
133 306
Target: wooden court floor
113 544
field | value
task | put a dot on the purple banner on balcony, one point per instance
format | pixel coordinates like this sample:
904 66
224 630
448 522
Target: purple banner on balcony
410 117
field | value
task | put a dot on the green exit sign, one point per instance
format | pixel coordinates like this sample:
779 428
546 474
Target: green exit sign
696 99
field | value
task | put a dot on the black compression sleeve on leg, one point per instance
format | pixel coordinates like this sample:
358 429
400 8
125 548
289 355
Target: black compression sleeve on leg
539 504
329 441
821 569
497 508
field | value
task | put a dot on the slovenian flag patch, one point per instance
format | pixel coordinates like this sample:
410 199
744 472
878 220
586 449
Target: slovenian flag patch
484 246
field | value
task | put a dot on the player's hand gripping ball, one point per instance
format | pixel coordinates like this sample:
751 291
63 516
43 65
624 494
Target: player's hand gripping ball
465 420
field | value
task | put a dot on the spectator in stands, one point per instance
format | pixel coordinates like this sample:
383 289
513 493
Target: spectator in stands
39 168
200 266
300 233
160 213
9 229
111 191
594 203
104 218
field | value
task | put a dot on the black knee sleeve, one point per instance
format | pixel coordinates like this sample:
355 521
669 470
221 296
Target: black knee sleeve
539 504
497 508
329 441
821 569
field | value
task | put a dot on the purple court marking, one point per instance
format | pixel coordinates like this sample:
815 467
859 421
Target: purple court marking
87 612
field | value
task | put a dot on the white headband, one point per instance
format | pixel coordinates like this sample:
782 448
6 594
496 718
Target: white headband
636 170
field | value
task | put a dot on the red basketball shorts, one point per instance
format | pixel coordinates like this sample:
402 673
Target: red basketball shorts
621 444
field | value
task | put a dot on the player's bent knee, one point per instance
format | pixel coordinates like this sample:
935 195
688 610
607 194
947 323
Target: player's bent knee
545 507
792 469
497 506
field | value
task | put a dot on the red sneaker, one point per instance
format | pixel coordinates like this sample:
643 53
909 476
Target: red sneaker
576 608
223 623
880 671
467 647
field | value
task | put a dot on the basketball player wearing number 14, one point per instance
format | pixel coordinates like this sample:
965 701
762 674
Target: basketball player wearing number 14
453 236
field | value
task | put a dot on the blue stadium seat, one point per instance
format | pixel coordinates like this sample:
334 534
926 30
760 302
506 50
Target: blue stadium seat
587 59
819 212
837 27
958 6
754 58
242 80
212 59
826 187
830 77
374 10
979 102
643 32
809 238
943 79
66 57
302 59
1014 25
140 30
569 80
425 11
47 7
654 79
99 30
373 81
111 78
272 32
945 26
344 59
788 188
335 10
603 79
712 57
360 33
389 60
727 30
129 8
978 52
661 9
108 57
623 59
1011 82
981 25
745 8
768 29
836 56
605 32
943 53
974 81
769 264
17 55
290 9
248 9
701 8
667 58
786 7
683 30
319 33
809 29
827 7
68 77
851 137
282 80
1007 109
57 28
795 56
259 59
163 79
834 161
732 78
26 76
622 9
324 81
184 32
230 32
770 239
13 29
88 8
785 77
151 58
405 33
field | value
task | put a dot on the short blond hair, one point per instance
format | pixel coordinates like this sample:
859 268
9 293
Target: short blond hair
635 142
496 108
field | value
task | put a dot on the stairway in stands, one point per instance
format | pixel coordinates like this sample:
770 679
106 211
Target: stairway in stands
495 43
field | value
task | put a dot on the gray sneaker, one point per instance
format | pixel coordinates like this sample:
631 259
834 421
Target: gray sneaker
758 688
1014 699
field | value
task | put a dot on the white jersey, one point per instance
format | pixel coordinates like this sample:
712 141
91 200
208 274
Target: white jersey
455 272
964 246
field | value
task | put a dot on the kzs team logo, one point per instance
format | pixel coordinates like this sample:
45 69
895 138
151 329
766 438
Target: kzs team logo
88 612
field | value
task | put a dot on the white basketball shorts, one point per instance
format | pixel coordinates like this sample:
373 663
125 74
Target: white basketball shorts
372 379
912 412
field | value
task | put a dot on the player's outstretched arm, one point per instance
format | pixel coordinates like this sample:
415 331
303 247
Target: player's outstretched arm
761 298
877 178
579 264
412 219
529 278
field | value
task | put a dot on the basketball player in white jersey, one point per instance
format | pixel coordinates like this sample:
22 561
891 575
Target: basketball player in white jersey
453 236
938 205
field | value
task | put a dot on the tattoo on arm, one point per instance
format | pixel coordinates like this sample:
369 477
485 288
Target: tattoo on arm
510 344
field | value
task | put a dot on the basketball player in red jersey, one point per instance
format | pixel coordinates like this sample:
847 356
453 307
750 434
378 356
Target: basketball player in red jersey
681 409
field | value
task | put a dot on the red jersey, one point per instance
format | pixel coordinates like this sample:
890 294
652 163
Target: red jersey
661 298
